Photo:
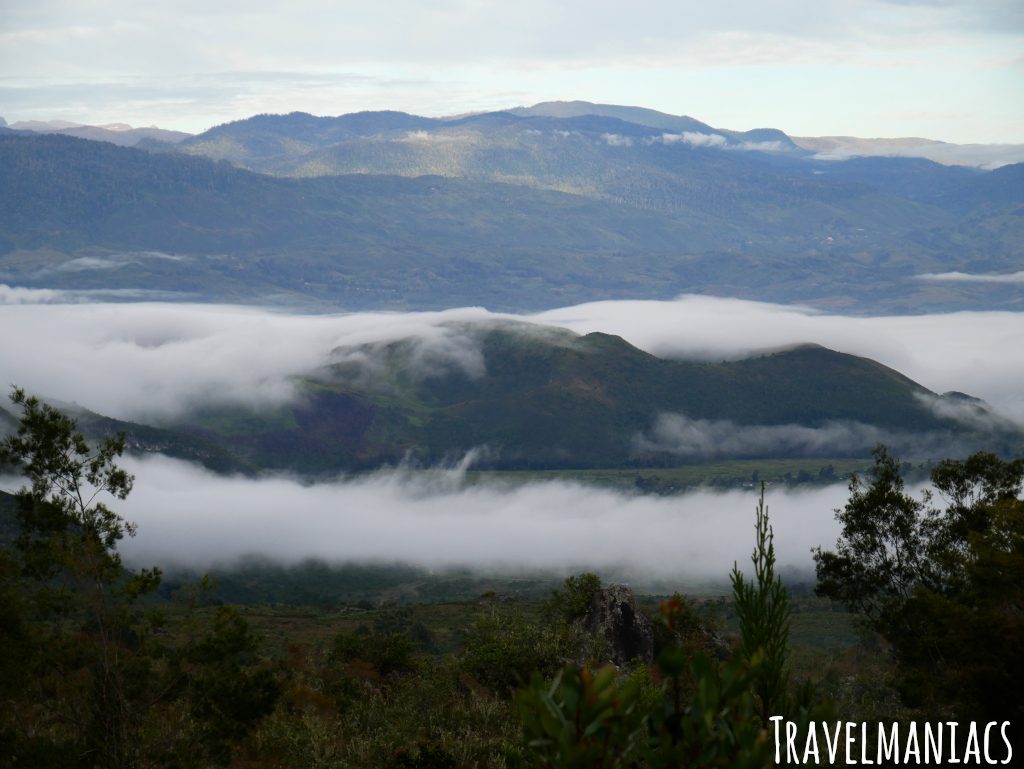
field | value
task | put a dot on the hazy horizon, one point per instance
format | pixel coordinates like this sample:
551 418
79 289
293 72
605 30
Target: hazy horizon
948 70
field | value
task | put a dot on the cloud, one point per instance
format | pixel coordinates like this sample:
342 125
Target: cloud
773 146
186 516
986 156
968 277
109 262
134 359
716 141
190 65
10 295
145 360
979 353
615 140
427 137
153 360
680 436
970 412
16 295
693 139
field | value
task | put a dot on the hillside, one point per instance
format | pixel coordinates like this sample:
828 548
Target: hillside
548 399
86 215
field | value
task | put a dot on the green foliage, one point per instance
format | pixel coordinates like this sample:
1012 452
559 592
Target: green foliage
432 719
943 585
503 648
701 715
572 601
763 609
552 400
696 711
639 224
98 684
583 719
387 652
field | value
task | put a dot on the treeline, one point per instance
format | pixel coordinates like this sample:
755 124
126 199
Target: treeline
96 672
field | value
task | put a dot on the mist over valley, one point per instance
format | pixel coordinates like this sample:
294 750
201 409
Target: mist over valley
490 385
348 305
328 436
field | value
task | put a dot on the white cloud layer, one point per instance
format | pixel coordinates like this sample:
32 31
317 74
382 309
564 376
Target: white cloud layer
688 438
974 277
187 516
694 139
138 360
134 359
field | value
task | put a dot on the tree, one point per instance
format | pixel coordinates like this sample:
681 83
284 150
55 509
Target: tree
943 585
763 609
572 601
99 685
881 556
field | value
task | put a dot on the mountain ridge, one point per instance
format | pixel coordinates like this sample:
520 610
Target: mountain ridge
514 215
541 398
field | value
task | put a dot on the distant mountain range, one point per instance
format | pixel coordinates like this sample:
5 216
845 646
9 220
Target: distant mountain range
549 205
535 397
121 134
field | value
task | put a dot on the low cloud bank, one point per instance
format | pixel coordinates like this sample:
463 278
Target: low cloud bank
985 156
716 141
188 517
681 436
142 360
693 138
974 277
686 438
617 140
979 353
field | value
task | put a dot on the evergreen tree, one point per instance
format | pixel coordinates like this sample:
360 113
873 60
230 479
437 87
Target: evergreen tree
763 609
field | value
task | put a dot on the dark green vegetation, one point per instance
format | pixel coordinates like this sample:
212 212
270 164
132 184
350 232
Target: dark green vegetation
942 584
90 677
547 404
510 211
545 399
99 671
541 401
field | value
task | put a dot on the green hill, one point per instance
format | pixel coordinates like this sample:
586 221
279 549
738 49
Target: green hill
550 399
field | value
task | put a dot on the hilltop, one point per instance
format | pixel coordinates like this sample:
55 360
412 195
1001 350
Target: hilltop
543 398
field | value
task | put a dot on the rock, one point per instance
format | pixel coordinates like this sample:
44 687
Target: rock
615 622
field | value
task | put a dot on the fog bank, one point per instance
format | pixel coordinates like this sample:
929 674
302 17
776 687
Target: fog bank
189 517
135 361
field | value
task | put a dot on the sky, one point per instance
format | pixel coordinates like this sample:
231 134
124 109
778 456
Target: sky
942 69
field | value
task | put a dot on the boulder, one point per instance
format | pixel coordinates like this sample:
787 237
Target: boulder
619 628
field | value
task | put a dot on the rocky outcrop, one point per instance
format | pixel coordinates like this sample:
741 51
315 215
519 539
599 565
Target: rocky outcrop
618 628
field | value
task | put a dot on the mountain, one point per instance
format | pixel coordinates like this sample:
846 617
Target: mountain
509 211
116 133
601 153
532 397
142 439
980 155
546 398
652 119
